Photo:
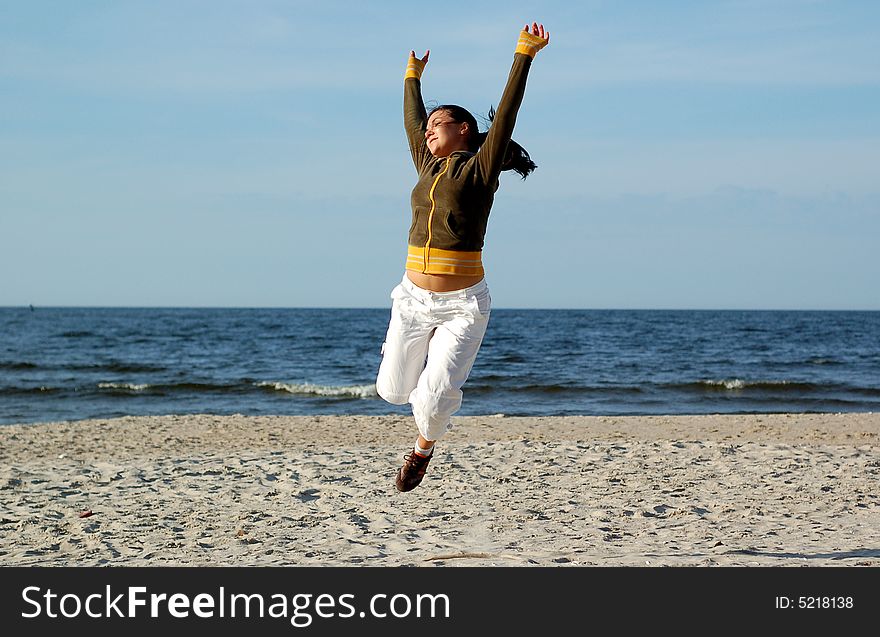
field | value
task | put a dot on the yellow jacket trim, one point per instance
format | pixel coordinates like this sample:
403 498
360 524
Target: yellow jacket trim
444 261
529 44
431 214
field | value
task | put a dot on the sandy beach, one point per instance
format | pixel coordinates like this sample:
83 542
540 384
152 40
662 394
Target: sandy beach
754 490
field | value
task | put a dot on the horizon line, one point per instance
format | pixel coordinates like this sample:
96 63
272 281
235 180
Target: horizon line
32 307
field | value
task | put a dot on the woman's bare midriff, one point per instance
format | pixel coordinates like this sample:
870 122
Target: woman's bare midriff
442 282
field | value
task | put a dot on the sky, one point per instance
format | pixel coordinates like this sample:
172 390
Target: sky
718 154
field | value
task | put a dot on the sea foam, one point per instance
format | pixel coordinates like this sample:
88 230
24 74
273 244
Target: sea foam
356 391
125 386
736 383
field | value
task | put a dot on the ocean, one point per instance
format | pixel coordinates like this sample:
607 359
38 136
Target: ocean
76 363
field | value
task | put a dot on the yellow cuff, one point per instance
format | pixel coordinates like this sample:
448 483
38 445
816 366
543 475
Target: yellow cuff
414 68
530 44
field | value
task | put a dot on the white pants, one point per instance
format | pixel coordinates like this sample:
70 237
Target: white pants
432 341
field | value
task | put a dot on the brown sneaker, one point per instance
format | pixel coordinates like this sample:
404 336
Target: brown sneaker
413 470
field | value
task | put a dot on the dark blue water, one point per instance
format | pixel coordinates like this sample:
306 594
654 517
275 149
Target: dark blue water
73 363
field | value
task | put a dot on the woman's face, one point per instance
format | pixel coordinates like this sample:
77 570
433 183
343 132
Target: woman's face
444 135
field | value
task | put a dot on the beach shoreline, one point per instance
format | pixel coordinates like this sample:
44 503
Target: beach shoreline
198 490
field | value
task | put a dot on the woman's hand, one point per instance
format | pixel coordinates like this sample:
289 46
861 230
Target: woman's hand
532 41
412 54
415 66
537 29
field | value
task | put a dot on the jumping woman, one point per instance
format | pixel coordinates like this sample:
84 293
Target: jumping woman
441 307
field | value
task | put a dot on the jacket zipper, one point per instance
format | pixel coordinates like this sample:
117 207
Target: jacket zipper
431 214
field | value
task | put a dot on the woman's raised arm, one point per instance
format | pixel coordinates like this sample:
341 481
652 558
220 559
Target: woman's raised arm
415 118
491 154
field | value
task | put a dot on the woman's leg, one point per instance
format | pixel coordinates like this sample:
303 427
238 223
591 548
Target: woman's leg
452 351
403 352
443 332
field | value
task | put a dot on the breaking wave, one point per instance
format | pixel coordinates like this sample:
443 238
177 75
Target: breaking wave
343 391
737 384
124 386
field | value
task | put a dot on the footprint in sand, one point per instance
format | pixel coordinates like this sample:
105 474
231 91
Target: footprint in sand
309 495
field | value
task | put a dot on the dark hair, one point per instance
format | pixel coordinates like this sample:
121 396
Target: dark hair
516 158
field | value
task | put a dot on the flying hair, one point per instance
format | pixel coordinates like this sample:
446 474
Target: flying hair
516 158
